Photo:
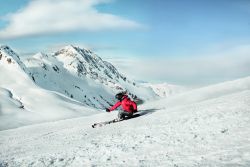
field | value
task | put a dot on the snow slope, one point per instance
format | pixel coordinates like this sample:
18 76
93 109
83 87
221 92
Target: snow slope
205 127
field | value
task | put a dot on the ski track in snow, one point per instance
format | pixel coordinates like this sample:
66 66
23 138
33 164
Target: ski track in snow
212 132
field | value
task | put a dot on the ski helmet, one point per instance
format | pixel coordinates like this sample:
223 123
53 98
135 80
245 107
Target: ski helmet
119 96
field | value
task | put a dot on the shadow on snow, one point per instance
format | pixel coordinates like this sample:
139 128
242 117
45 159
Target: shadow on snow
142 113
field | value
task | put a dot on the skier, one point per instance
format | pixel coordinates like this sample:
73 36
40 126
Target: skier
129 107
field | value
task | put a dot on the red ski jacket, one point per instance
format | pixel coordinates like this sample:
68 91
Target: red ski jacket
126 103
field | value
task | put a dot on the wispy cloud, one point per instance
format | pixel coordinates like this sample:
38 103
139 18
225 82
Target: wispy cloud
197 70
54 16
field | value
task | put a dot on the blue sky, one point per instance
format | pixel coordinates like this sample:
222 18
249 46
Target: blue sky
140 30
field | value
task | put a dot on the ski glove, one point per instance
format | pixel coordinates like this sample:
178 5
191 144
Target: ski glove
107 110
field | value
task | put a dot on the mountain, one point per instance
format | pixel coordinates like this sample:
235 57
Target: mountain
82 62
201 127
22 102
82 75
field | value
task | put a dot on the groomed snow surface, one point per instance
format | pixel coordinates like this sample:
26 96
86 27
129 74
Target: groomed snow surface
203 127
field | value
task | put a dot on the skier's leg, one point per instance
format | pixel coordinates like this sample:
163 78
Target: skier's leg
121 115
127 115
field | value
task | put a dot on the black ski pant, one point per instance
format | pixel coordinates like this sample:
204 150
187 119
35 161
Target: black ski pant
124 114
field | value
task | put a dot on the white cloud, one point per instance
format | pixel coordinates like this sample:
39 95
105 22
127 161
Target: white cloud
54 16
196 71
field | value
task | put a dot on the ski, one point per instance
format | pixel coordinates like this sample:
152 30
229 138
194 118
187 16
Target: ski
100 124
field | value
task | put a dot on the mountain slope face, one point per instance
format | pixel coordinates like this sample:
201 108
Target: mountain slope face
82 75
211 128
22 102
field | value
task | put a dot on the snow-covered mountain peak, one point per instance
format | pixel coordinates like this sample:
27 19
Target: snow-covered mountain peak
78 53
9 57
82 62
3 47
40 60
40 55
69 49
9 53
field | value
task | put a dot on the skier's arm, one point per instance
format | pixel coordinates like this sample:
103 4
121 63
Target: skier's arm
115 106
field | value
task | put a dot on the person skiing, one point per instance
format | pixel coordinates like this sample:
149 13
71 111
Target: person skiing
129 107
